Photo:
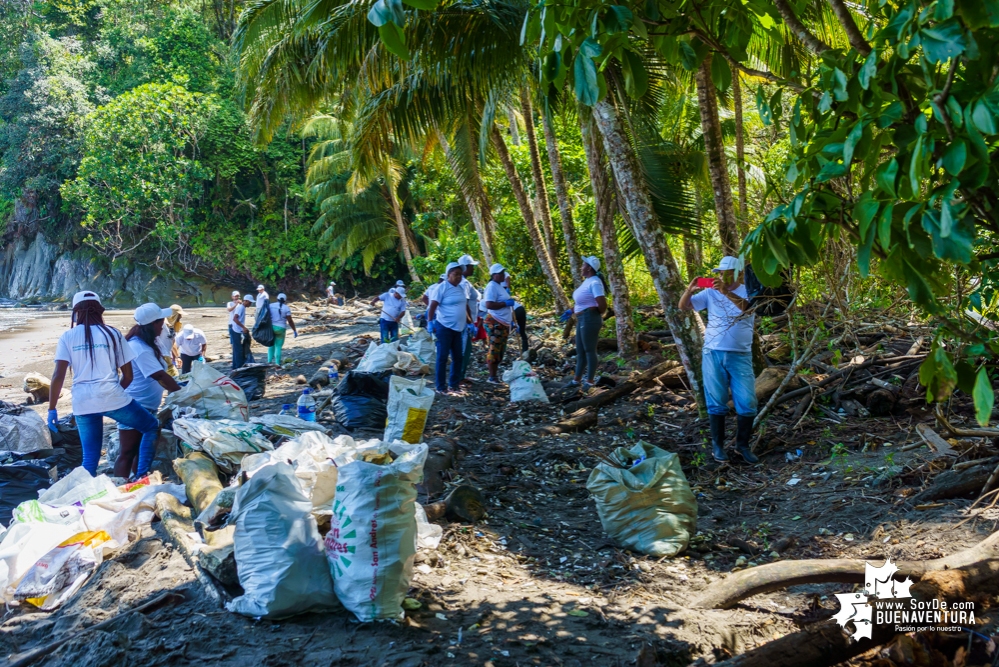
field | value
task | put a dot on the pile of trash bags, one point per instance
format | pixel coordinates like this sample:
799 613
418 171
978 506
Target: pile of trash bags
210 394
361 400
525 385
416 355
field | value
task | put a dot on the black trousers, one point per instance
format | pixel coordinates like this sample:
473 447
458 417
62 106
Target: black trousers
520 315
185 362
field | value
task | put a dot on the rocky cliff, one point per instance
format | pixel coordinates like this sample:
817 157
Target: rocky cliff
36 270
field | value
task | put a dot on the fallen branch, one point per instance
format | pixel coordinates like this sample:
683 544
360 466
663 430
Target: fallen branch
624 388
201 479
964 432
580 420
805 355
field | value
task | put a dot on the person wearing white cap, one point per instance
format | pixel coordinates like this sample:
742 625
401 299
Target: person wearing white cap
589 306
393 310
192 344
167 344
468 265
280 322
149 380
727 355
400 283
96 353
236 300
331 292
263 298
239 333
519 313
448 317
499 319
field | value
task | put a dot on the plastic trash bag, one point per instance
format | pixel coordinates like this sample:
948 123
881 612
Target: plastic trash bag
371 544
263 331
252 379
361 400
379 357
647 507
20 481
428 535
212 394
525 385
227 441
68 438
421 345
22 429
279 553
62 571
408 363
286 425
406 324
409 402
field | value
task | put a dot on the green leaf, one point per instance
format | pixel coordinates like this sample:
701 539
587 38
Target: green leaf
839 86
721 73
919 290
916 166
864 211
764 109
943 41
946 219
393 39
618 19
425 5
984 397
851 141
884 226
944 10
965 376
869 69
777 248
938 375
585 75
688 57
983 119
591 48
887 176
955 157
636 78
979 13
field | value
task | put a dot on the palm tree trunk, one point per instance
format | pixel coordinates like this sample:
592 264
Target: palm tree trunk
400 225
514 128
714 149
547 265
658 257
474 195
541 190
740 154
693 255
853 33
814 44
564 205
603 198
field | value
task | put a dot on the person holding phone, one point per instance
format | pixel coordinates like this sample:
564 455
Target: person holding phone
727 356
589 305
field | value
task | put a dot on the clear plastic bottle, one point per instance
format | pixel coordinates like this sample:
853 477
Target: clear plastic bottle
286 411
334 376
307 406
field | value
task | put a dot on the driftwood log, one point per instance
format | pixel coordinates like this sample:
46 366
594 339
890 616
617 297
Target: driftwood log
624 388
580 420
201 479
955 484
776 576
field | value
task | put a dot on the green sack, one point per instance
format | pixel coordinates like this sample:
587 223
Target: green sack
647 507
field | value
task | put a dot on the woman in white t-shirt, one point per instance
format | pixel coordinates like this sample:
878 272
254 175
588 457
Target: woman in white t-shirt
393 310
589 306
448 318
499 319
96 352
280 322
149 380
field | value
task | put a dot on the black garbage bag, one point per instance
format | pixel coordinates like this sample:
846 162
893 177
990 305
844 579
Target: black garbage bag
252 379
263 330
361 400
68 439
20 481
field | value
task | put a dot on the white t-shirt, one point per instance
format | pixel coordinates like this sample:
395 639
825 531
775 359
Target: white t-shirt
473 296
728 328
239 310
95 383
496 292
261 297
279 315
144 389
190 343
452 300
586 294
330 292
165 340
391 307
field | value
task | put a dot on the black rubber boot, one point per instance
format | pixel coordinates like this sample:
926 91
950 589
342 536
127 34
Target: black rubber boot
744 429
717 423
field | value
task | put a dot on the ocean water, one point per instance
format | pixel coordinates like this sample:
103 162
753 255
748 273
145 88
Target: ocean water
13 315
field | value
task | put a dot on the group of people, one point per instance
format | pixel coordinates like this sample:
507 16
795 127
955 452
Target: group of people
120 377
241 332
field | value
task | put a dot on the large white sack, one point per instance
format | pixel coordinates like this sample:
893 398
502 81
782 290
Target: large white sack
421 345
212 394
379 357
279 553
371 544
525 385
409 403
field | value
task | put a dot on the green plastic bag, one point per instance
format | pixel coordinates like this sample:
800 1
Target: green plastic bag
646 507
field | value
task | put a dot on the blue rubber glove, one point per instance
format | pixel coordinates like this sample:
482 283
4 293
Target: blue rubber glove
53 421
430 325
472 330
296 333
564 317
510 302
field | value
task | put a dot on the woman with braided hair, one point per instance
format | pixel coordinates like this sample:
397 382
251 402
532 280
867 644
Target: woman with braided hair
96 352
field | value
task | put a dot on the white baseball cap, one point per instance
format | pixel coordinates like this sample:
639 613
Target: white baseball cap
399 283
466 260
148 313
281 296
188 328
235 292
80 297
496 268
260 287
248 297
592 262
401 292
450 267
729 263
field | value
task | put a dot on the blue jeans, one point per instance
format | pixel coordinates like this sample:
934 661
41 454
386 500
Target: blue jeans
724 371
448 343
239 348
132 416
389 330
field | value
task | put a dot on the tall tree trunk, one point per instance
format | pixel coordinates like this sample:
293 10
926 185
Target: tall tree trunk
564 205
541 190
603 199
658 257
814 44
853 33
474 195
693 255
714 149
740 154
547 264
401 228
511 114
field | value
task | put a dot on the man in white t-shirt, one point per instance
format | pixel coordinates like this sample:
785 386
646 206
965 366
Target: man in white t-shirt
331 292
727 356
393 310
239 333
192 344
262 297
468 264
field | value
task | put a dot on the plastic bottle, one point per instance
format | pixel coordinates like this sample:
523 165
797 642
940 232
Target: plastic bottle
307 406
334 375
286 411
